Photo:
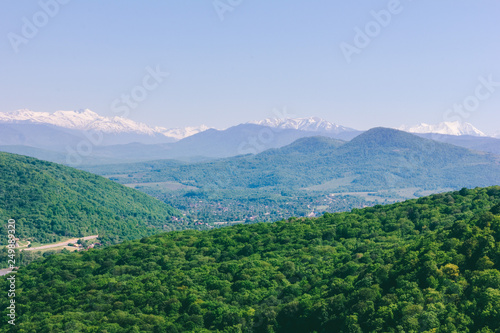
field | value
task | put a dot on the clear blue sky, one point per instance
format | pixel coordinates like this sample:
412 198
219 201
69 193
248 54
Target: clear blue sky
263 55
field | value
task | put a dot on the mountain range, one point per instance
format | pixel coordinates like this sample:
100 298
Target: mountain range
84 137
312 124
87 120
448 128
378 158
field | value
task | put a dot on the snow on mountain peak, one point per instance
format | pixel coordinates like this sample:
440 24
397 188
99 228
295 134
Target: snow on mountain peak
68 119
448 128
314 124
85 119
181 133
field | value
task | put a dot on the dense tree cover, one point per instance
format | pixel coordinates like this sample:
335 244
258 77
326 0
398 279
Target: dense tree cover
23 258
50 201
425 265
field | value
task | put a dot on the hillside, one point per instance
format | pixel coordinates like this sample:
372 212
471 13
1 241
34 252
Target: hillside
380 157
310 176
50 201
425 265
479 143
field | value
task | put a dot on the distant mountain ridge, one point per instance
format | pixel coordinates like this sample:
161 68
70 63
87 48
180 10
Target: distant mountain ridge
55 136
378 158
448 128
85 119
88 120
313 124
478 143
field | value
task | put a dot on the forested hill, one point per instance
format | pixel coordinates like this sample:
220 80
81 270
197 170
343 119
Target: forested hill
48 201
425 265
379 158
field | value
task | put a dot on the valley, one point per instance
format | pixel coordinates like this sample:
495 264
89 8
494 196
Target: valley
64 244
234 166
295 238
430 262
308 177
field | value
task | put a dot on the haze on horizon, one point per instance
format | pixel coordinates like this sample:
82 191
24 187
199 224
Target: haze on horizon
220 63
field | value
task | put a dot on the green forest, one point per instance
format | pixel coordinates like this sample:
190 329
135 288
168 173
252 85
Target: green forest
49 201
424 265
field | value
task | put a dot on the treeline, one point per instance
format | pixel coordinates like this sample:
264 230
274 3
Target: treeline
424 265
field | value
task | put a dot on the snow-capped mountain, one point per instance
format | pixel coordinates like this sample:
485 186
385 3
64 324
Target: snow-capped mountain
89 120
448 128
181 133
312 124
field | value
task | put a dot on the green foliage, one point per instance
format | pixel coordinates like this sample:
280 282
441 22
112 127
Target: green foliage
425 265
51 201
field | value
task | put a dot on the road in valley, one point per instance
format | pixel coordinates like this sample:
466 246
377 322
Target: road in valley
65 243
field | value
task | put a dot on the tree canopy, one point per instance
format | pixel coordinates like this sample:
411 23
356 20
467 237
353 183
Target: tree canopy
425 265
50 201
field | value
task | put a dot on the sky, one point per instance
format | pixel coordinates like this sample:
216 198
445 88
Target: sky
359 64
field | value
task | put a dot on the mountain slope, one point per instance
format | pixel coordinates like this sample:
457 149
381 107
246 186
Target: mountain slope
79 120
238 140
386 157
378 158
309 144
479 143
49 201
448 128
38 136
87 120
426 265
209 144
313 124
